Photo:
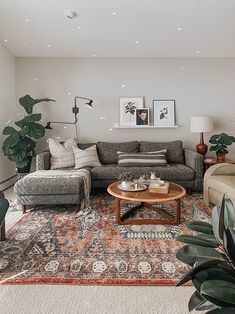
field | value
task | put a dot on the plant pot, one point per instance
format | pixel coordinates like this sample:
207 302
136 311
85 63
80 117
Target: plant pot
126 185
221 158
26 169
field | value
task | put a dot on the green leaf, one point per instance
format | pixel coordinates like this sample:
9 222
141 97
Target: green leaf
35 130
200 226
230 235
229 214
221 219
221 311
18 156
189 274
21 123
220 292
212 273
195 300
35 117
190 254
189 239
22 164
206 306
26 144
215 223
8 130
28 102
11 140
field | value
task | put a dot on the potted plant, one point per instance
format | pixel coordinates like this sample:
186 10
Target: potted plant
126 177
211 256
221 141
20 144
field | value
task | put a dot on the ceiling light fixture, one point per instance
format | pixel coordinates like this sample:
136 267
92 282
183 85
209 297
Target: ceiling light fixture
123 85
114 13
48 46
5 40
70 14
78 26
26 20
137 42
197 52
179 29
93 55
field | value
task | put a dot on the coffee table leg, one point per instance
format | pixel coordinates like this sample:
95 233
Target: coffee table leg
177 218
118 211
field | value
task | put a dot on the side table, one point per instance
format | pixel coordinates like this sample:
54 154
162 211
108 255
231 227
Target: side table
208 162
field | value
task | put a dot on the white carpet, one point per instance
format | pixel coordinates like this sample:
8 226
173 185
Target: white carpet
93 300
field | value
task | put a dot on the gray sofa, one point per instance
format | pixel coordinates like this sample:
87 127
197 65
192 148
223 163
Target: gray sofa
184 167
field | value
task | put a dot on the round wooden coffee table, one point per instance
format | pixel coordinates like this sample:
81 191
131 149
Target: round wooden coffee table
147 199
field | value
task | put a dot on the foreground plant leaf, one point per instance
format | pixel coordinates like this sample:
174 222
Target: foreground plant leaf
222 311
190 254
230 235
195 300
200 226
220 292
188 275
189 239
215 223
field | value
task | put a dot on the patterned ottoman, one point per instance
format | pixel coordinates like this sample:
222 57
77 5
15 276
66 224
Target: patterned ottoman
47 187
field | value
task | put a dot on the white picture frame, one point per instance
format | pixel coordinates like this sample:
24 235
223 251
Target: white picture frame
142 116
127 107
164 112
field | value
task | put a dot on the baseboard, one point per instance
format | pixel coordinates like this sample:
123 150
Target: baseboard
6 183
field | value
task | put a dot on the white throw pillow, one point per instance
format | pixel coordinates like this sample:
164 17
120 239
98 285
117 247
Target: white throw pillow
62 155
86 158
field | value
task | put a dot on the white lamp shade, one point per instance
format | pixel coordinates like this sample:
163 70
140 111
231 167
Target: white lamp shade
202 124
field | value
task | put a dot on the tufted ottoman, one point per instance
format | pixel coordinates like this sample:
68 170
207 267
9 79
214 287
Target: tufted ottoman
50 187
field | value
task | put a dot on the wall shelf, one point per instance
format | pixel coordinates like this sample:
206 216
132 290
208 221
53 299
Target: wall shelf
117 126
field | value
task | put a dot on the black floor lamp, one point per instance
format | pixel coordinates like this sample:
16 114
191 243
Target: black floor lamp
75 111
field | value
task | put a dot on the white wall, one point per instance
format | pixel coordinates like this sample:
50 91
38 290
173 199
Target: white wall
200 86
7 105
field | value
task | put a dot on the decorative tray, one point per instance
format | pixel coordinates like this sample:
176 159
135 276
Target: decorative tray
144 187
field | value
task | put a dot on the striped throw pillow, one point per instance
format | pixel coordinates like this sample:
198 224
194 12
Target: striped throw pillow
86 158
148 159
62 155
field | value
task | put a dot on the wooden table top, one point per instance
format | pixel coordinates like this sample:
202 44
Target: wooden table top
175 192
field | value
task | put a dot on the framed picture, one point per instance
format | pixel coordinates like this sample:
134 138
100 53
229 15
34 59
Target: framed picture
128 106
142 116
164 112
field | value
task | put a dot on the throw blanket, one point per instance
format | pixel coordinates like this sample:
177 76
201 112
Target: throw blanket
84 174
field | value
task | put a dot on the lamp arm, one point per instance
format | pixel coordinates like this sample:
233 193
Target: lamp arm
78 97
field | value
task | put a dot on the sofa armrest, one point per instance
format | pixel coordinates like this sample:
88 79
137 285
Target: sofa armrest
43 161
221 169
195 161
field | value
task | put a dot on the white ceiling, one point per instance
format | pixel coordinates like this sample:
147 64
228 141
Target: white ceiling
207 26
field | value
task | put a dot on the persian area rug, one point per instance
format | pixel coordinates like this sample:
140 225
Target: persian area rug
51 246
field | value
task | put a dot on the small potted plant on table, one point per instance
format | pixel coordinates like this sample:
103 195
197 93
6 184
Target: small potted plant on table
126 177
221 141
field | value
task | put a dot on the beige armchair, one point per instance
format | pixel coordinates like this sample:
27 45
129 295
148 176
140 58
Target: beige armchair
219 179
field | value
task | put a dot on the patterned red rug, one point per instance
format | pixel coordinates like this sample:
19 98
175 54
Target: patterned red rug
51 246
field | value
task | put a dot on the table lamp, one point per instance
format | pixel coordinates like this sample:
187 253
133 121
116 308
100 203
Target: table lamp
201 125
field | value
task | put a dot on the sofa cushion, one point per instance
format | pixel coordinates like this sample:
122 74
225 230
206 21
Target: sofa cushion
62 155
148 159
86 157
108 151
175 153
172 172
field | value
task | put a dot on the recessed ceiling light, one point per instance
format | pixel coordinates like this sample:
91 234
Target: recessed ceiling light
179 29
26 20
197 52
48 46
93 55
137 42
5 40
102 118
110 129
78 26
69 93
123 85
114 13
65 127
35 79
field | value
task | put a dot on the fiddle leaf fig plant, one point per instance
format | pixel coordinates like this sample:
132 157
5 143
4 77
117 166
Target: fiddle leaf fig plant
21 143
220 143
211 257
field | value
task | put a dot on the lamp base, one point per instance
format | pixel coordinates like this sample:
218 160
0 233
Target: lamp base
202 149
